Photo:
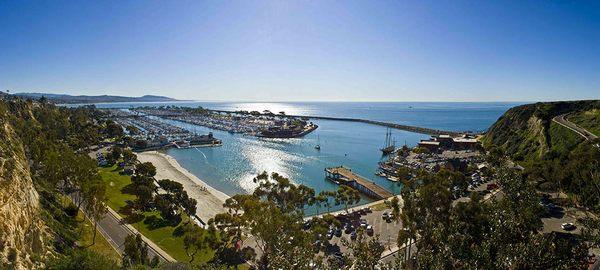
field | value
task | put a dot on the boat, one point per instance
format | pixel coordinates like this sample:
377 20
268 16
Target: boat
318 146
389 145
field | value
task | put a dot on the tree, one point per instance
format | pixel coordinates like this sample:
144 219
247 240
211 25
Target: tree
164 204
273 216
94 205
135 251
113 130
346 196
145 197
320 200
403 173
193 240
366 253
170 186
189 206
82 259
145 169
115 154
129 157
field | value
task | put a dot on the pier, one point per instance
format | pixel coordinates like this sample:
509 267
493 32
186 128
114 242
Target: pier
345 176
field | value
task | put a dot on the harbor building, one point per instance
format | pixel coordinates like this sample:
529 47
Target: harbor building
446 142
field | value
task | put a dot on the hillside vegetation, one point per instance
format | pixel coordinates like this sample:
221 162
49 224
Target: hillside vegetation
554 157
527 132
588 119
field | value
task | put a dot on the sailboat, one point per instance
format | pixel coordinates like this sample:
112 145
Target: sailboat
389 145
318 146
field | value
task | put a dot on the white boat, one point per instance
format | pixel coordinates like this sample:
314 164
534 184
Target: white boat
318 146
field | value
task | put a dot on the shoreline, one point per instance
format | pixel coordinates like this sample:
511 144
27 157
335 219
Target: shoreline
209 201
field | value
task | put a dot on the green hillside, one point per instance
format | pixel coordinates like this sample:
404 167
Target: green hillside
555 158
527 132
588 119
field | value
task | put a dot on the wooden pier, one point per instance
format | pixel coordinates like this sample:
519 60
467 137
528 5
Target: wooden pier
345 176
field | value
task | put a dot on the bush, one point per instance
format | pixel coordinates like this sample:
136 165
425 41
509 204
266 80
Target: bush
71 210
82 259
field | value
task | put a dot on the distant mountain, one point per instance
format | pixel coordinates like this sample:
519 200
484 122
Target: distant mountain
69 99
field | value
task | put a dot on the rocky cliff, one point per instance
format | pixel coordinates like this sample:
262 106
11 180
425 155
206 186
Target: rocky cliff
22 231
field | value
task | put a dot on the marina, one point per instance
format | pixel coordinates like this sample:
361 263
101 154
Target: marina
148 133
231 167
254 123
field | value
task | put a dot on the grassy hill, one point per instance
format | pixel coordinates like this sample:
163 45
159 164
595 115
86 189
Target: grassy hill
527 132
588 119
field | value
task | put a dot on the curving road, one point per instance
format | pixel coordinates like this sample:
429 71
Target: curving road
562 120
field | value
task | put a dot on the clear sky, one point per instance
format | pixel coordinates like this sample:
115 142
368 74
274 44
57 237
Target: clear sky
304 50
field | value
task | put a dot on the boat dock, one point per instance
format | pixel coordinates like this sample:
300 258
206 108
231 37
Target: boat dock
343 175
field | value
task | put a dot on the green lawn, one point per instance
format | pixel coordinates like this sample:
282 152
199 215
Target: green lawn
86 236
100 246
166 237
116 182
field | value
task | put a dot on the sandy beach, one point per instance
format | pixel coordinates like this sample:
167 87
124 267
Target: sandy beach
210 201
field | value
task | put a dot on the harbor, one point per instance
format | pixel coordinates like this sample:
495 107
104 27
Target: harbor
148 133
231 167
254 123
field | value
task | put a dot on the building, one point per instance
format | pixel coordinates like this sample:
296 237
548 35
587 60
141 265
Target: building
429 145
446 142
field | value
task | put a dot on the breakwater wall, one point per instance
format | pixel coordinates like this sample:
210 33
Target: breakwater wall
415 129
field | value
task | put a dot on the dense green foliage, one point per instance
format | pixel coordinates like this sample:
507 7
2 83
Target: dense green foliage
53 139
554 157
502 234
524 132
588 119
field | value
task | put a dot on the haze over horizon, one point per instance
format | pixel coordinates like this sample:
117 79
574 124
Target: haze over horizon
304 51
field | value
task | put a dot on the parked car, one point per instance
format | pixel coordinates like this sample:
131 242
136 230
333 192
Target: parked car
353 235
363 223
338 232
349 229
492 186
385 215
568 226
370 230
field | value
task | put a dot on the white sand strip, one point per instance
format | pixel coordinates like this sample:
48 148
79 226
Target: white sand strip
209 200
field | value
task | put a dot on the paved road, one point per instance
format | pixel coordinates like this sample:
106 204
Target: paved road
114 229
561 120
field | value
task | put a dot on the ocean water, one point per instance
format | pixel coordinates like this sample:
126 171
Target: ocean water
231 167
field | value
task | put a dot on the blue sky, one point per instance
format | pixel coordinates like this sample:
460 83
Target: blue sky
304 50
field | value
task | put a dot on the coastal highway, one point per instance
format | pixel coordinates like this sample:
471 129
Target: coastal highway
562 120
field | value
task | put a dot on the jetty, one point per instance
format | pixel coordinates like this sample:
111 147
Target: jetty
422 130
345 176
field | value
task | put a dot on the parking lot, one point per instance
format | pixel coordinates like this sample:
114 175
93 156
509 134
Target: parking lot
387 230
